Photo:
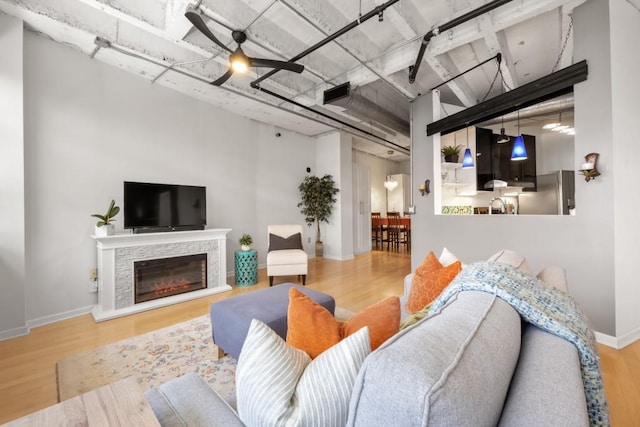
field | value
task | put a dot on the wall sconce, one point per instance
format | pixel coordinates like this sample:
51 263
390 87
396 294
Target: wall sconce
590 167
424 188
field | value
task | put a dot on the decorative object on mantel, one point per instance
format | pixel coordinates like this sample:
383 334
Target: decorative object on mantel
590 168
318 197
424 188
451 153
245 242
104 227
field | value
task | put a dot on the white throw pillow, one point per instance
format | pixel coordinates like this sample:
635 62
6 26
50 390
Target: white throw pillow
554 277
512 258
278 385
447 257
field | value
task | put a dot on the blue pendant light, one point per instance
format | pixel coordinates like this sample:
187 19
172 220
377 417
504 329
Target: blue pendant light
467 159
519 151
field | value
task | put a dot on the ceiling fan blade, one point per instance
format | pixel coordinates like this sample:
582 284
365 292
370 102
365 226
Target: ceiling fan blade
198 22
223 78
290 66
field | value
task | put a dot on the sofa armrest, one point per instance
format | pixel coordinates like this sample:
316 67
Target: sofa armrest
189 401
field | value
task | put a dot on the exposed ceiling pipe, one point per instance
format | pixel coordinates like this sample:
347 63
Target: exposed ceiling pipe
413 69
373 13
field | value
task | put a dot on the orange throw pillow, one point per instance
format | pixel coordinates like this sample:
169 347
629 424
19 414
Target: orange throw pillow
313 329
382 318
428 282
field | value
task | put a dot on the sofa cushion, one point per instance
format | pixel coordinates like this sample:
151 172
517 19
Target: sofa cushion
287 257
453 368
313 329
189 401
277 384
278 243
428 281
546 389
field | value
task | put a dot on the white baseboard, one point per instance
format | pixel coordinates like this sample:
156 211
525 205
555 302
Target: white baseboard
14 333
45 320
618 342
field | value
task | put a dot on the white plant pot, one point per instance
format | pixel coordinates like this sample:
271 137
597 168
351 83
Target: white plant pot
105 230
245 247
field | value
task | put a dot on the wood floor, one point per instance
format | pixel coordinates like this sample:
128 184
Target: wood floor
27 364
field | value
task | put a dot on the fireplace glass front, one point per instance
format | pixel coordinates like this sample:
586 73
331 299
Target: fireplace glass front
163 277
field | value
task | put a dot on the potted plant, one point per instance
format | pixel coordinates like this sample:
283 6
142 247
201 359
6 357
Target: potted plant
105 227
451 153
318 198
245 242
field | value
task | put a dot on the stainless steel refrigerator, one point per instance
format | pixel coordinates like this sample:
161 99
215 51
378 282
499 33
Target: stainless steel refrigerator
555 195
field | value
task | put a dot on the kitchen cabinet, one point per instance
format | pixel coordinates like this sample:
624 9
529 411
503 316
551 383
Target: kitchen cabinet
494 162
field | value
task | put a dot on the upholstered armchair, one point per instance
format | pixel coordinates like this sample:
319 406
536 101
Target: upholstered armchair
286 256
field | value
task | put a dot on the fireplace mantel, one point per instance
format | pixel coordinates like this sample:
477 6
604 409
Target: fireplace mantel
116 255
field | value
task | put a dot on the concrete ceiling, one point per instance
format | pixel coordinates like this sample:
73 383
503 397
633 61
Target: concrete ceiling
154 40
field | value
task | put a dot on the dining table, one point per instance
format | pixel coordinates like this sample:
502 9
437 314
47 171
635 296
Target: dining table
382 224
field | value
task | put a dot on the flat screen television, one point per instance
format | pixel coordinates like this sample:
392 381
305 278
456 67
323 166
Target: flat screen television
164 207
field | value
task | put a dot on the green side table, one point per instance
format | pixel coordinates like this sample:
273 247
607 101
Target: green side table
246 267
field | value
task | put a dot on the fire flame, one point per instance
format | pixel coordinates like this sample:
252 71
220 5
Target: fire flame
162 288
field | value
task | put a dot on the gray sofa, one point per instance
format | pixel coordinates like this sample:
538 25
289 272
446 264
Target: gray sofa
473 364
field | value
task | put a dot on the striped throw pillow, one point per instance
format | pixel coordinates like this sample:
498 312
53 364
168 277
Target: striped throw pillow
277 384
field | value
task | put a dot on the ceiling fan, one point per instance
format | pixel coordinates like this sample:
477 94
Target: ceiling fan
239 62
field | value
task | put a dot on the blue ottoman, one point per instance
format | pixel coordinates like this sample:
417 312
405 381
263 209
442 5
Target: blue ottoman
230 318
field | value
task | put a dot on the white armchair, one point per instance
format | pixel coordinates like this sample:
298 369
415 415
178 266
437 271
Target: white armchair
286 256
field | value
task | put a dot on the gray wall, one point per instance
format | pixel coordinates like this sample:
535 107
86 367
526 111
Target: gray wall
89 127
12 226
583 244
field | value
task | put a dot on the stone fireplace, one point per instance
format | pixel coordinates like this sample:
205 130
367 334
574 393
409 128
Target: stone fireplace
194 264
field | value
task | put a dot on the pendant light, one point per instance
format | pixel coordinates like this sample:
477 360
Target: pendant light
519 151
389 183
467 159
502 139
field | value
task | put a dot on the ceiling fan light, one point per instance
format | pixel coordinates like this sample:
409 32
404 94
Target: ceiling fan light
239 61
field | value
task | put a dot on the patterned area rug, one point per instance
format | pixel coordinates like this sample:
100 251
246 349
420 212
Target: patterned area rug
154 358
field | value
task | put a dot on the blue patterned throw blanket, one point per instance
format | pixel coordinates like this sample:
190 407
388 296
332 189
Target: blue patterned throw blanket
551 310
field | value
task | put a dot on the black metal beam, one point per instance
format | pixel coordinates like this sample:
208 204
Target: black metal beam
374 12
413 70
547 87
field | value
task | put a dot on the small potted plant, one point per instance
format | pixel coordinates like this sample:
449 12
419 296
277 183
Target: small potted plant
105 226
245 242
451 153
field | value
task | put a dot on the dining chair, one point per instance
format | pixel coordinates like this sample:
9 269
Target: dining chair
376 228
393 230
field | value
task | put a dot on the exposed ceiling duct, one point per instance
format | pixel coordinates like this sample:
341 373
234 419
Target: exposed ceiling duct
556 105
365 109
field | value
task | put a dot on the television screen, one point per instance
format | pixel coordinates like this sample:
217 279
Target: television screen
164 207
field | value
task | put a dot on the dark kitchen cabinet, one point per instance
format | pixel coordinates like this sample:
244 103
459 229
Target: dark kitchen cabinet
493 161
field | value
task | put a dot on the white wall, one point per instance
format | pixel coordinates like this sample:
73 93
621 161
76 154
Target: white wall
334 157
582 244
625 63
89 127
12 218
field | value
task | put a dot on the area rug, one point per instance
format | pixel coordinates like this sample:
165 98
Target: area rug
154 358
